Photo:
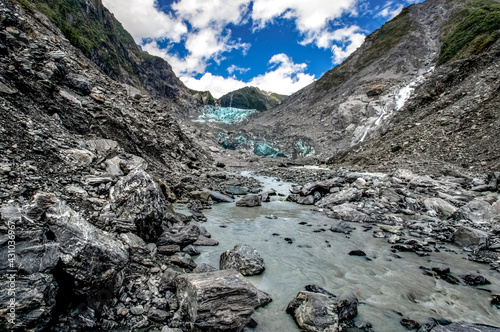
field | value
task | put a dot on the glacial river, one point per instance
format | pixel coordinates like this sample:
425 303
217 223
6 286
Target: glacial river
387 287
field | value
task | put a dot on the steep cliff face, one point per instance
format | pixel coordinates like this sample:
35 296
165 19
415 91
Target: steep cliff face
88 25
358 100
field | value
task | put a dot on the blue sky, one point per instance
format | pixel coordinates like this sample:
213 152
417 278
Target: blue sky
277 45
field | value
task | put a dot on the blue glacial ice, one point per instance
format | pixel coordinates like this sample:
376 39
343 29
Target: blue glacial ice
223 114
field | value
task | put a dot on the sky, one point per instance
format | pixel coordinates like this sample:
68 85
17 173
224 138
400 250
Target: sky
276 45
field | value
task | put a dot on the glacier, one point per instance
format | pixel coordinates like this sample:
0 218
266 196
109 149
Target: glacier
223 114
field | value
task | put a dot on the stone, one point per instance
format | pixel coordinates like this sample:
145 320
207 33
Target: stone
168 249
206 242
467 237
475 280
344 196
204 267
249 201
342 227
137 310
348 212
181 236
80 83
138 201
138 250
357 253
236 190
182 259
243 258
306 200
218 197
158 315
218 301
409 324
192 251
442 207
79 157
316 312
477 211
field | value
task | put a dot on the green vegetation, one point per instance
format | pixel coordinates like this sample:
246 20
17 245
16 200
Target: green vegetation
378 44
204 97
251 98
471 29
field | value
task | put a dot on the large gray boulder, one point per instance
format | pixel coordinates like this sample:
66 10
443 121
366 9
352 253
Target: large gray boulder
249 201
182 236
139 203
243 258
344 196
477 211
318 312
470 237
217 301
348 212
440 206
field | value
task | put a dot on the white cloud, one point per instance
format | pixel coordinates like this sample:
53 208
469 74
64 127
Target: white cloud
202 13
389 11
284 77
234 68
142 20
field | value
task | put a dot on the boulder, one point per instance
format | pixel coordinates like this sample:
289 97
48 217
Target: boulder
138 251
306 200
138 201
442 207
181 236
348 212
204 267
317 312
204 241
344 196
217 301
236 190
467 237
477 211
249 201
182 259
218 197
243 258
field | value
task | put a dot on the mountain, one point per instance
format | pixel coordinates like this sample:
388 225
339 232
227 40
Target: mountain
89 26
362 99
251 98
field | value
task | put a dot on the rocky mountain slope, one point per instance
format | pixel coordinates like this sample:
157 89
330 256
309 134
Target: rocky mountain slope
251 98
88 168
359 100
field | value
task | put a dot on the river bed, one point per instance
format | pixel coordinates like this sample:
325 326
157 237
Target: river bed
387 287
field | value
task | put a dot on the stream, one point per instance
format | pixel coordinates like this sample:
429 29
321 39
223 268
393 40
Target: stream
387 287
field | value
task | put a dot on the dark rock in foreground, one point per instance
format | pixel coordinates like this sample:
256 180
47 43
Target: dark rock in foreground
217 301
243 258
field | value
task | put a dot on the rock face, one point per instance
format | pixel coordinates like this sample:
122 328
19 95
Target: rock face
319 312
217 301
243 258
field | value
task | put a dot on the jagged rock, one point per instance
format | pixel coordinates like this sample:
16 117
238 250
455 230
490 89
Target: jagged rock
182 236
306 200
137 200
475 280
168 279
35 299
466 237
169 249
236 190
442 207
316 312
249 201
347 212
342 227
203 267
263 299
477 211
346 195
243 258
192 251
80 83
182 259
138 250
205 242
220 300
218 197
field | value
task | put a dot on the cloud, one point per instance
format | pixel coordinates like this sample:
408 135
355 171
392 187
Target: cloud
233 68
284 77
390 11
142 20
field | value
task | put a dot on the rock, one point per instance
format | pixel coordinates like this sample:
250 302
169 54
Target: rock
168 329
205 242
293 198
192 251
137 310
88 254
465 327
182 259
236 190
495 300
219 301
243 258
169 249
342 227
306 200
467 237
263 299
317 312
409 324
344 196
138 251
203 196
442 207
475 280
318 289
203 267
249 201
138 201
79 157
35 299
80 83
181 236
158 315
218 197
167 281
347 212
477 211
357 253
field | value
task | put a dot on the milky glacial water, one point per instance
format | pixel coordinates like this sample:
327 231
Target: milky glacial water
384 286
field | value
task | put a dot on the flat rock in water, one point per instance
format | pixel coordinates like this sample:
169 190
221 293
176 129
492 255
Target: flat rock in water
249 201
218 197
